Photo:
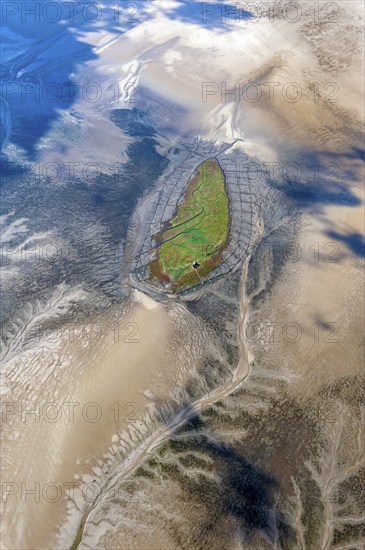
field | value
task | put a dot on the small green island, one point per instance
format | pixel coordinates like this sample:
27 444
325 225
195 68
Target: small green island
190 244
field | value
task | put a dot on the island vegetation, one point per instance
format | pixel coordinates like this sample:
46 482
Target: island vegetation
190 244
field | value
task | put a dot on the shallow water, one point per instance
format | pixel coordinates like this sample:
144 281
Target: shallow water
77 338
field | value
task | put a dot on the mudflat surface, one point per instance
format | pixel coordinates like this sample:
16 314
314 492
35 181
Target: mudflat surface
229 414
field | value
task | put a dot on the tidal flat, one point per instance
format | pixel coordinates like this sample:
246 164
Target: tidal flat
231 420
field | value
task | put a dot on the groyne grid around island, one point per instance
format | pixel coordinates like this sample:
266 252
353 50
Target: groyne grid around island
241 218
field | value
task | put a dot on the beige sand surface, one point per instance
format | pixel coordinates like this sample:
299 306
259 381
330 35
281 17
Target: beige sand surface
307 292
316 291
106 373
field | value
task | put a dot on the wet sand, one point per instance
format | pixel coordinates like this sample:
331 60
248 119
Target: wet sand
315 310
104 406
307 292
112 375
